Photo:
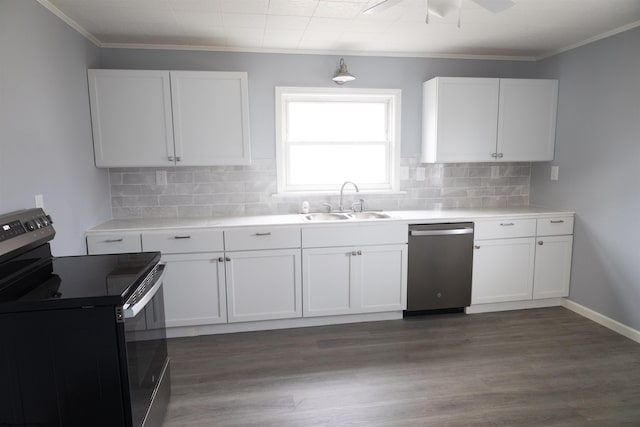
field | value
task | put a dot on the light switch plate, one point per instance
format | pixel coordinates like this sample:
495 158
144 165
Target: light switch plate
161 177
420 174
554 173
39 201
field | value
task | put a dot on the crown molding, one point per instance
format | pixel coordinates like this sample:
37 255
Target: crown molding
590 40
73 24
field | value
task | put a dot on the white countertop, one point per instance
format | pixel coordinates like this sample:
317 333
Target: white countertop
413 216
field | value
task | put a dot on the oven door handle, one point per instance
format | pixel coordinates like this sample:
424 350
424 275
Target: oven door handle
133 310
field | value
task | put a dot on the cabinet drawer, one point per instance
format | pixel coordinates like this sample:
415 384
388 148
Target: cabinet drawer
352 235
247 239
113 244
183 241
505 228
555 226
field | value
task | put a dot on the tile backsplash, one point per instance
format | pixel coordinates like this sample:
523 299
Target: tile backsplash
249 190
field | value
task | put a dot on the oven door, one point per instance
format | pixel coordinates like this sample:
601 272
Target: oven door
147 359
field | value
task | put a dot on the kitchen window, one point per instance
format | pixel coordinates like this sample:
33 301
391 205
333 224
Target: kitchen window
326 136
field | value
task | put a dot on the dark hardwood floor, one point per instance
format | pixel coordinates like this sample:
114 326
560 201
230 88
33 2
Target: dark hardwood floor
547 367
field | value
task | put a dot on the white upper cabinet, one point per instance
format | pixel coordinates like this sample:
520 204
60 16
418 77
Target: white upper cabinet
459 119
486 119
527 119
210 118
162 118
131 117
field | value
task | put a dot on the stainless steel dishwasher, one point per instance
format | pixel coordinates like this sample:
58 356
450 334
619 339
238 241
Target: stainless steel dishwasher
440 267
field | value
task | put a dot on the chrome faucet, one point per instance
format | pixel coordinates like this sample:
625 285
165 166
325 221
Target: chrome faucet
341 207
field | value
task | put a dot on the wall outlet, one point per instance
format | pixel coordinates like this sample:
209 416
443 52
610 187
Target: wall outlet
420 174
39 201
554 173
161 177
404 173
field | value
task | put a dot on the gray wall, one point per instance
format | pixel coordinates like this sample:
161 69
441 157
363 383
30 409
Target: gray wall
45 128
598 152
266 71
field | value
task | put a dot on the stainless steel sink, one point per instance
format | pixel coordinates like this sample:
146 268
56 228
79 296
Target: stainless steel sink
369 215
326 216
338 216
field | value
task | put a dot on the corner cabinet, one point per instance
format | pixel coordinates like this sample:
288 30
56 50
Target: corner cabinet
488 119
354 269
145 118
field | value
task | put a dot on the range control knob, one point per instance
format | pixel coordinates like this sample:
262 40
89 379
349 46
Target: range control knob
30 226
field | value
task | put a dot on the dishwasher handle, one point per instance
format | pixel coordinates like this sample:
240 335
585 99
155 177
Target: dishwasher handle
446 232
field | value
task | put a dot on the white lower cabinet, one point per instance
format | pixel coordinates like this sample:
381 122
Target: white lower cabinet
354 280
263 285
522 259
357 278
502 270
553 266
194 291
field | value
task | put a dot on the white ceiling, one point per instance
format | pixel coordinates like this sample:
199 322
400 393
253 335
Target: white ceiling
530 29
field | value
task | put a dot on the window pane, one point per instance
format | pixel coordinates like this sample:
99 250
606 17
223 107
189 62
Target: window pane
331 165
337 121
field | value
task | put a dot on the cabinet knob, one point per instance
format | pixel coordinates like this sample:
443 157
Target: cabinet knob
494 155
220 259
171 158
354 253
540 242
359 252
476 246
227 259
178 158
500 155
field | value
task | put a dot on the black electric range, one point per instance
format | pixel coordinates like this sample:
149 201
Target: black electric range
83 336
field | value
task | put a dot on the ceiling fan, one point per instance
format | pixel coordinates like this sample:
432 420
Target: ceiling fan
442 8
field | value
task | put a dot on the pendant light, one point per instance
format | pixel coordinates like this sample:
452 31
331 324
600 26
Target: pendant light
342 75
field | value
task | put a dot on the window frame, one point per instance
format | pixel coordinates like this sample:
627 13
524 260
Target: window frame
284 95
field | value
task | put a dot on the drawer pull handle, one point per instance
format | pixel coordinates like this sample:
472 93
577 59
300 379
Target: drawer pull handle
540 242
114 240
263 234
181 237
506 224
559 221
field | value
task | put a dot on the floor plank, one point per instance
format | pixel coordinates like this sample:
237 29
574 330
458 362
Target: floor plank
547 367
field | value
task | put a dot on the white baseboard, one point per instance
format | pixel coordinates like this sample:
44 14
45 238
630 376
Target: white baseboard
228 328
601 319
513 305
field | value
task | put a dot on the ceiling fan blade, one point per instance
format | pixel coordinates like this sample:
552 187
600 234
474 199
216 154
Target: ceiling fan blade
442 8
495 6
383 5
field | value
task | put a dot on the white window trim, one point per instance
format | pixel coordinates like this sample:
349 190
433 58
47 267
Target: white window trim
394 97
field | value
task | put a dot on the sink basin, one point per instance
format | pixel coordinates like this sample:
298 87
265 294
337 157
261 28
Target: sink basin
369 215
326 216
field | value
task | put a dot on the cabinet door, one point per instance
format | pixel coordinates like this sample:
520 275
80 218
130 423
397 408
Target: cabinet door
502 270
327 281
459 119
194 292
382 280
527 119
553 266
131 118
211 118
263 285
